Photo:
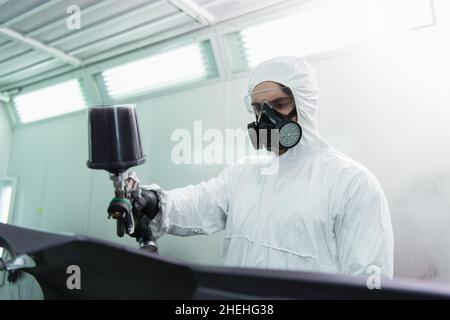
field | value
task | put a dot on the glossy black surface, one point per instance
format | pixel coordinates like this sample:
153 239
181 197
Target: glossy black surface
113 271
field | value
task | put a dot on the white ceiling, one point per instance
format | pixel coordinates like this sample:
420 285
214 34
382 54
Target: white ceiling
35 40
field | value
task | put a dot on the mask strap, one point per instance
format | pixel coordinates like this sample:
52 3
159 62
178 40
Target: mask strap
289 116
292 113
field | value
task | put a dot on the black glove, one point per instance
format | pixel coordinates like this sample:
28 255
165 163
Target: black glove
145 206
145 202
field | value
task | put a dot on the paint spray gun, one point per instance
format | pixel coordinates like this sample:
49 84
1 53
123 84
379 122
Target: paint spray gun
115 146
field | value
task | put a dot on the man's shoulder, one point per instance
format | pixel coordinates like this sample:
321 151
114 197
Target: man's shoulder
348 169
340 160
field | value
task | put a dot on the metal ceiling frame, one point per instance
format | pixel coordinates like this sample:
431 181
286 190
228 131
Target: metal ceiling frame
56 22
66 57
4 97
107 22
33 43
138 45
106 40
193 10
112 58
150 25
3 2
30 12
99 25
28 40
38 45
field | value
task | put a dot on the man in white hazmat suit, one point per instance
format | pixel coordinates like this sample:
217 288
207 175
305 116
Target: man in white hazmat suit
321 211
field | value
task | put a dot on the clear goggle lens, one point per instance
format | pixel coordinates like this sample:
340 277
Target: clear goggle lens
282 104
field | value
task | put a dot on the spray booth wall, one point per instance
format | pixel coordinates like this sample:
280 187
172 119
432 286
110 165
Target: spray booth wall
5 147
5 140
386 106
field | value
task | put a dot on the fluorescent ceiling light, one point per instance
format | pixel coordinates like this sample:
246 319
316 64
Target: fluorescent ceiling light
161 70
50 101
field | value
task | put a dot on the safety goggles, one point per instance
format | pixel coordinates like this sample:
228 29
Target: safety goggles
283 105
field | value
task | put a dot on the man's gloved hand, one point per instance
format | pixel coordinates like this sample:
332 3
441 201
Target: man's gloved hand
145 204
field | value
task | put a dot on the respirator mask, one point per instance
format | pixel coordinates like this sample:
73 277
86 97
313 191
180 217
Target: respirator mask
271 125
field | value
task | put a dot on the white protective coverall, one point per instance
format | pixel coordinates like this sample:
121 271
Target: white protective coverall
321 212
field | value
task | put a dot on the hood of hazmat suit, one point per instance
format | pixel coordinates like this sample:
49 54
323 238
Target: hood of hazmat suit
320 211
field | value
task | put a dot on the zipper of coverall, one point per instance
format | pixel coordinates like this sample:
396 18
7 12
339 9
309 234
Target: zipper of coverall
258 217
264 219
